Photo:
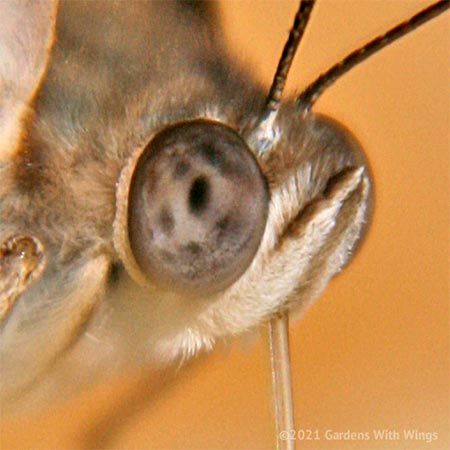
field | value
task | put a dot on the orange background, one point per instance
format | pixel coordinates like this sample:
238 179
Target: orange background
373 353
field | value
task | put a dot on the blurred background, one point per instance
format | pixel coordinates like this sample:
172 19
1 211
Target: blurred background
373 352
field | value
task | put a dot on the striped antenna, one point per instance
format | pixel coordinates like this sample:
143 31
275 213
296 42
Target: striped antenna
290 48
310 95
263 133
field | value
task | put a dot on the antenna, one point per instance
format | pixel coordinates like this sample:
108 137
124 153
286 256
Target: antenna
290 49
264 134
310 95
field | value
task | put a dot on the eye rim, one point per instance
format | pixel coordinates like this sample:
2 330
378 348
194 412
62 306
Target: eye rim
121 236
121 239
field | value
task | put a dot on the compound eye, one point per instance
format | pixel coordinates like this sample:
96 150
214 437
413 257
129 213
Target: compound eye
197 208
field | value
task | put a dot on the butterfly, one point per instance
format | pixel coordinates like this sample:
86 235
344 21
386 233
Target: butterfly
91 275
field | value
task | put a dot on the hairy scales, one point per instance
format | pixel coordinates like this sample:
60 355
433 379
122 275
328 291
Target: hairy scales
108 88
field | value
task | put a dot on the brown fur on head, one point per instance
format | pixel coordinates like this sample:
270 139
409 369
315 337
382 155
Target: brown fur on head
84 109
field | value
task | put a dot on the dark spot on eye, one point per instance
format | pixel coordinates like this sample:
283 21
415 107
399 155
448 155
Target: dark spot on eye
194 248
199 195
223 223
211 156
223 227
166 220
181 169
